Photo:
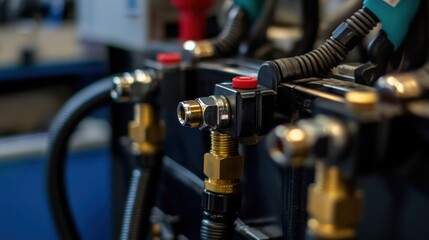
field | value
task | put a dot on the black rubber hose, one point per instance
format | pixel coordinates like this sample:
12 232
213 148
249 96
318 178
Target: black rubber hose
324 58
228 41
216 230
140 201
219 215
79 106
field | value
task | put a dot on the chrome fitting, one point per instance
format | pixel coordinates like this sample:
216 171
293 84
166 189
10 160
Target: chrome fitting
132 87
292 145
205 113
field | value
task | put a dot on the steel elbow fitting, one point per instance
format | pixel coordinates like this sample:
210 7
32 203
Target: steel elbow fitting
292 145
288 145
204 113
136 86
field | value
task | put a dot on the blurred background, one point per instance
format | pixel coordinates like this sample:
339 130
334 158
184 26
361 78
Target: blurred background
49 49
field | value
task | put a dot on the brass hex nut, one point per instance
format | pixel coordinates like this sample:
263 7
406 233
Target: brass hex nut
146 134
334 208
223 168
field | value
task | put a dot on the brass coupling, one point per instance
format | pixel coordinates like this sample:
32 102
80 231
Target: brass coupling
402 86
198 49
223 165
146 130
334 205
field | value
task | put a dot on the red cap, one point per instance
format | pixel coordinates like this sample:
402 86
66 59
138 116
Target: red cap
245 82
168 58
193 17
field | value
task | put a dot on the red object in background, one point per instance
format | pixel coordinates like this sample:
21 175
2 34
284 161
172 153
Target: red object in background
193 18
245 82
169 58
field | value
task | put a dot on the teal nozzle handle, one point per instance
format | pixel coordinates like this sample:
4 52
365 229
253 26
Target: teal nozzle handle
395 17
252 7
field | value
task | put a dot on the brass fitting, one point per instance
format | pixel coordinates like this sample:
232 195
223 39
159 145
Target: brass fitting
223 165
199 49
403 86
362 101
190 114
134 86
334 206
146 131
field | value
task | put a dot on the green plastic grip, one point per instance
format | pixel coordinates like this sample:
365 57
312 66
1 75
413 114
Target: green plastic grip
252 7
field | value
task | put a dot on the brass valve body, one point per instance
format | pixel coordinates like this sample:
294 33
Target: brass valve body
223 165
146 131
334 206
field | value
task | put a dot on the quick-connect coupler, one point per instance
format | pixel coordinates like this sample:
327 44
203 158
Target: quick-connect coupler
223 167
204 113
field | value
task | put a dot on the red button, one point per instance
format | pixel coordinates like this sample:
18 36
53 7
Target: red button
245 82
168 58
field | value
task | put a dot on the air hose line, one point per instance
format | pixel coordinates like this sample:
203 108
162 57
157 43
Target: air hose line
327 56
231 35
140 200
79 106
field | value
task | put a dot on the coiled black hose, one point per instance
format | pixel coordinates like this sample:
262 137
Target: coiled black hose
140 200
79 106
228 41
327 56
220 213
216 231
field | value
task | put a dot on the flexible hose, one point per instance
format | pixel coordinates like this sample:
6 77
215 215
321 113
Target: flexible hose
216 231
229 39
140 200
79 106
327 56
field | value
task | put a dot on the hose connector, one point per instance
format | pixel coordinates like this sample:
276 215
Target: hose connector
204 113
226 44
136 86
146 131
223 165
299 144
334 206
